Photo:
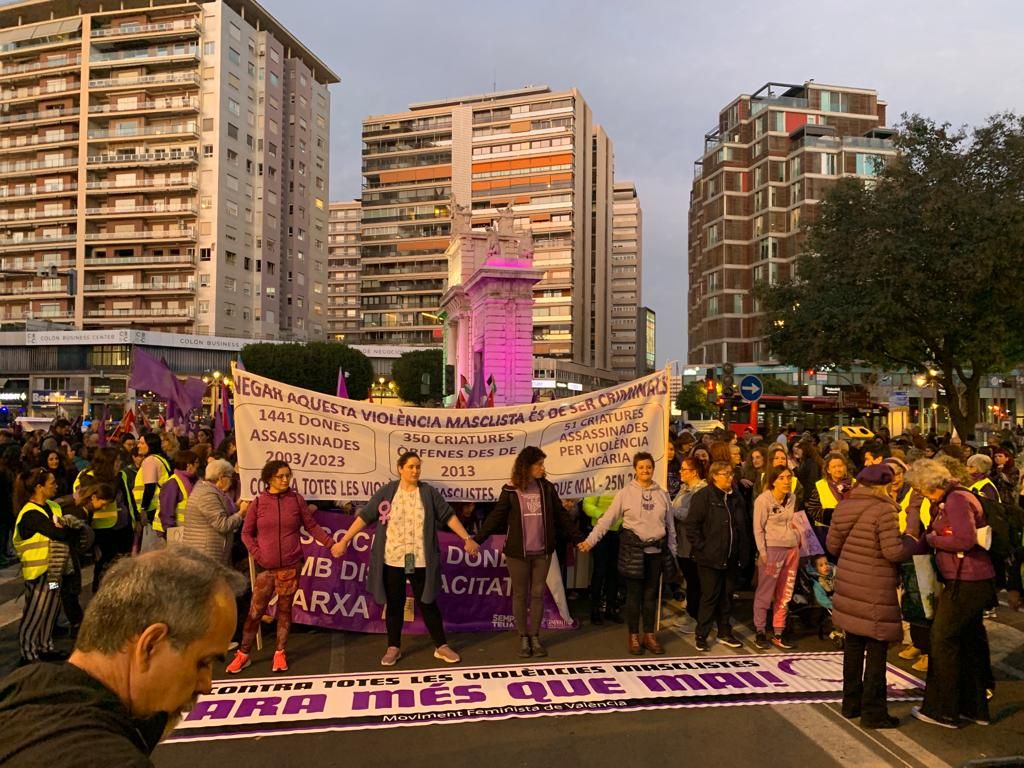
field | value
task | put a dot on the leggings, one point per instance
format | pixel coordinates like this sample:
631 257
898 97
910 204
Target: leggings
282 581
35 635
394 590
529 577
775 580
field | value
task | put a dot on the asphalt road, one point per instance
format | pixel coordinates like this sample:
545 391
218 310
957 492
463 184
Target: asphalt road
760 735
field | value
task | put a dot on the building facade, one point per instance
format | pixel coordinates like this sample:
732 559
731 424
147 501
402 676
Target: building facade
535 150
625 289
163 166
766 167
343 255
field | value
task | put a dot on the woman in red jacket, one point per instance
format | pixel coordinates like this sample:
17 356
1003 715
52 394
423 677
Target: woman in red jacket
271 534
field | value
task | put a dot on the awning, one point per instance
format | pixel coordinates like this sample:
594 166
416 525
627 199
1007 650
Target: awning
46 29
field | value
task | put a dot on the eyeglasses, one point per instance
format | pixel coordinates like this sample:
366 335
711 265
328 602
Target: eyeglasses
723 474
285 476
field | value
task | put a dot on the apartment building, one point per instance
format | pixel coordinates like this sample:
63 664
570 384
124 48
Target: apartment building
343 244
625 295
531 148
766 166
163 165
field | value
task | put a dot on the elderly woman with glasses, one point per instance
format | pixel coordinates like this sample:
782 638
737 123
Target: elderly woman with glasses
211 517
271 534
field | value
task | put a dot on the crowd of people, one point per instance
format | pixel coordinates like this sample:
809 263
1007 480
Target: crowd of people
801 520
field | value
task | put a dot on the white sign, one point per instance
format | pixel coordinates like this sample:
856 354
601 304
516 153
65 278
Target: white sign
247 708
342 449
383 351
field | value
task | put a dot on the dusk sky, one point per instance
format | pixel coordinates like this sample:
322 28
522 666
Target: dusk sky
655 75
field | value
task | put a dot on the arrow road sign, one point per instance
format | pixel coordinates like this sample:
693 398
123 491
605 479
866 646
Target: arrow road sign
751 388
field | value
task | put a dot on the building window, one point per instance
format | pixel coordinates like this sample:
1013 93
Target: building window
205 254
209 48
868 165
207 150
234 56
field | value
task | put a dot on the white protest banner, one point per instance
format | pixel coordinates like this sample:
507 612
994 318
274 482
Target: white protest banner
279 705
342 449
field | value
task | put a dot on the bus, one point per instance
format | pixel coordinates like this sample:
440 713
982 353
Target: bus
817 414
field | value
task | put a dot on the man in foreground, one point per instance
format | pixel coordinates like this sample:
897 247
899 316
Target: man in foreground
145 651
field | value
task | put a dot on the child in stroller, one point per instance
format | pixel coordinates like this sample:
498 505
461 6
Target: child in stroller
812 598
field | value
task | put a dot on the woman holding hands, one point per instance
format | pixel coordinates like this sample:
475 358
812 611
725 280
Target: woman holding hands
405 549
647 539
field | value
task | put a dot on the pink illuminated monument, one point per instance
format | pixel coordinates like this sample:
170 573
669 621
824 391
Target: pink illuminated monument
488 307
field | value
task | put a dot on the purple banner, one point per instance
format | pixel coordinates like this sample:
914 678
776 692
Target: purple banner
475 589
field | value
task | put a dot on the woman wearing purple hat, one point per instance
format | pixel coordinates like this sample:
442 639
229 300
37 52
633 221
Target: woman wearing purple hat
865 537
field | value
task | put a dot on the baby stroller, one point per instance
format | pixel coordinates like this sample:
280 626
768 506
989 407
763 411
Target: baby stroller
812 605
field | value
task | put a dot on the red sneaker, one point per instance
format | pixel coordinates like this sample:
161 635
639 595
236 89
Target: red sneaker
280 662
240 662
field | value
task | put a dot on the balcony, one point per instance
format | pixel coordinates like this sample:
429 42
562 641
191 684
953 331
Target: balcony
174 157
29 191
32 166
142 184
168 315
177 104
9 217
177 27
56 38
171 78
21 94
48 115
26 143
31 263
33 241
148 210
178 129
179 286
146 234
55 63
160 53
185 259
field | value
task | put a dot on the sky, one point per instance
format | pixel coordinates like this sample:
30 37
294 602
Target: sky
656 74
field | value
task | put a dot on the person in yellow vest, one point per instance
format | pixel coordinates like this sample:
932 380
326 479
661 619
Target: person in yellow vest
827 493
980 465
154 471
604 581
174 496
38 523
114 522
914 518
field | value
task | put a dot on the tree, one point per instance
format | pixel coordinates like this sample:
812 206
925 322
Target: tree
693 399
408 372
919 271
311 366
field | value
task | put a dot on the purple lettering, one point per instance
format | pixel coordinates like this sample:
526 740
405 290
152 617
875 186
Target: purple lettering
316 702
608 685
264 707
719 680
215 709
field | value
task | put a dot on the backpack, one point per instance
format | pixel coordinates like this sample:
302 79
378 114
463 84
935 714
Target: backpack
1007 522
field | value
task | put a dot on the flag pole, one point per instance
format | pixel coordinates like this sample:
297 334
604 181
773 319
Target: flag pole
252 581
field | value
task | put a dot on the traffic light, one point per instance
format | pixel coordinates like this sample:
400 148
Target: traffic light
727 382
709 385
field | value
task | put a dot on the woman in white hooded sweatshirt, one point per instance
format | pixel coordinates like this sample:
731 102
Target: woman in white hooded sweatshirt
647 548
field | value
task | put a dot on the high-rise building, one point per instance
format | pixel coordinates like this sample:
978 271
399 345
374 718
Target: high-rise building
163 165
533 149
625 289
766 167
343 244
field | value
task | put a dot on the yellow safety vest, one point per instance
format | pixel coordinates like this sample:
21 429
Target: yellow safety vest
139 489
926 514
976 488
179 509
35 550
825 496
103 518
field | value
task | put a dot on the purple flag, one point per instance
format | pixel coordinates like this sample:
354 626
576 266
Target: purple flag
342 386
150 373
479 394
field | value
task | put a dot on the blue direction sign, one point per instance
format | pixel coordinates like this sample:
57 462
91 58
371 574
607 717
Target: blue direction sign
751 388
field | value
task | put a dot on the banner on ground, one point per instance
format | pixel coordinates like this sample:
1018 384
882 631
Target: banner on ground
343 450
245 708
475 589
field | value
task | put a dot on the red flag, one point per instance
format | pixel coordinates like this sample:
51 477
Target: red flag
462 401
492 389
